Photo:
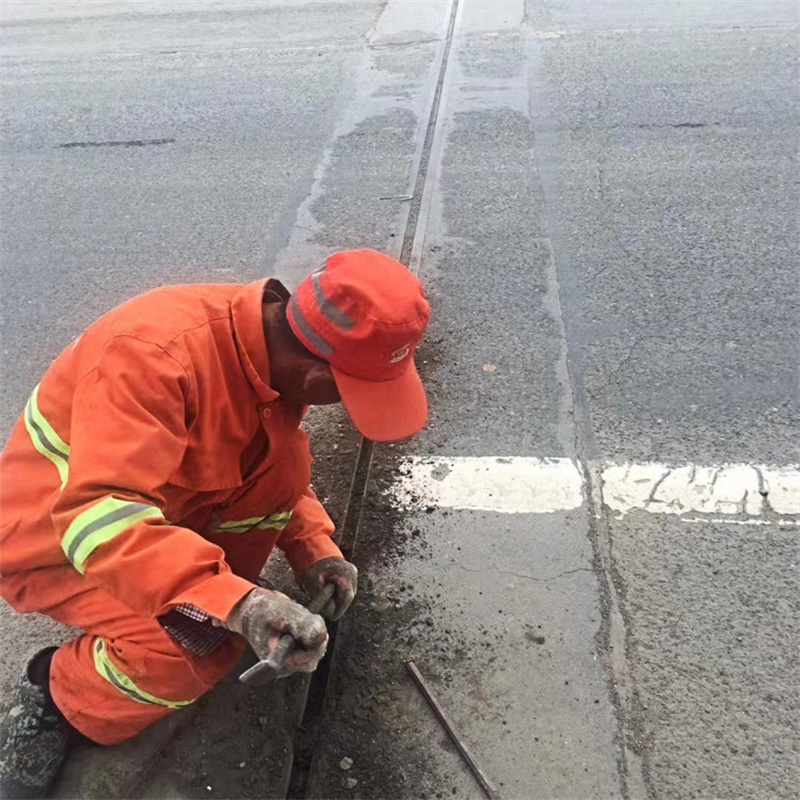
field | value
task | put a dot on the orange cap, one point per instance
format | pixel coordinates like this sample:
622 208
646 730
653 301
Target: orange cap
365 313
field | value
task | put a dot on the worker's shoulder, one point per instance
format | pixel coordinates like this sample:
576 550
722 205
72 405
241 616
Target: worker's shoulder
162 315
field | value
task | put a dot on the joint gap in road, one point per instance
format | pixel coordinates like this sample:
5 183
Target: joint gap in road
612 640
355 501
308 734
418 215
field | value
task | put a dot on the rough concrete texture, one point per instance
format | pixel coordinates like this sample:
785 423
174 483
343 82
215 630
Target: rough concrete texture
499 613
665 157
359 197
495 344
709 623
249 100
480 307
660 132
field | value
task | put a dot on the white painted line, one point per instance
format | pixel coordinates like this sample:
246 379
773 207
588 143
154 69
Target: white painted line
727 492
783 522
503 485
735 489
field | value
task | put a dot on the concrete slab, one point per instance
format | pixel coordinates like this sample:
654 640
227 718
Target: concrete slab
621 15
365 179
500 614
658 130
656 152
712 618
250 112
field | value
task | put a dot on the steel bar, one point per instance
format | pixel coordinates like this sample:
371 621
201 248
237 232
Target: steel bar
487 786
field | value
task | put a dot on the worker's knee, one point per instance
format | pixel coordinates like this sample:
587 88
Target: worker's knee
174 675
111 689
171 671
153 669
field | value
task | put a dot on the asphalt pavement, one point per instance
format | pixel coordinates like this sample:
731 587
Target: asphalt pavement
591 552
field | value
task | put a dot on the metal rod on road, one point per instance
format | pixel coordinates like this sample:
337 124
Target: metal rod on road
485 783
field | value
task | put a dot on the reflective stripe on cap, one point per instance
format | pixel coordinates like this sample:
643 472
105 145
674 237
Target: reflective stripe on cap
314 339
328 307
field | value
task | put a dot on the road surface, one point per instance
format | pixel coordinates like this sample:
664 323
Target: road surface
591 553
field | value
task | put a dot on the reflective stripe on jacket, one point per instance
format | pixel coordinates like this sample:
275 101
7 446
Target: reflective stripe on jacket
156 462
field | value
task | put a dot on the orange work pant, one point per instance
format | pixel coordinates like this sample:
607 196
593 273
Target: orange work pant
145 662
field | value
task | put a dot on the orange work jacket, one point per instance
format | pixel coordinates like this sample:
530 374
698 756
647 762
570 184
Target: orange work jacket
155 462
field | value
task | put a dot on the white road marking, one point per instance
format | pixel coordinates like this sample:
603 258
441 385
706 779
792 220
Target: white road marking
726 492
736 489
504 485
782 522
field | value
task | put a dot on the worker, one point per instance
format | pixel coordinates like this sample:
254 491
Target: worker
153 470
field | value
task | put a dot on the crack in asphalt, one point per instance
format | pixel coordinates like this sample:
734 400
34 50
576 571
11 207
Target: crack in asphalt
525 575
611 640
129 143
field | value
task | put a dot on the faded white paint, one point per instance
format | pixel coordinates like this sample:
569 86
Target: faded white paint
534 486
781 522
504 485
735 489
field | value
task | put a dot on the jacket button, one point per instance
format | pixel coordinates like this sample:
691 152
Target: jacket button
266 413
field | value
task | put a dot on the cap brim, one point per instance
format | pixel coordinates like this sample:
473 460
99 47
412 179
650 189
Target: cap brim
385 411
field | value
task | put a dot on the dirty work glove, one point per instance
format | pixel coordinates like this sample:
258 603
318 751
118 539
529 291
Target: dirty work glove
342 574
263 616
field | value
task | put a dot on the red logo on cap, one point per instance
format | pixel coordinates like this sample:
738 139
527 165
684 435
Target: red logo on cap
401 353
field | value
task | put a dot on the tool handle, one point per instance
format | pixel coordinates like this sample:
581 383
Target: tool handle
285 643
437 708
321 600
278 655
267 670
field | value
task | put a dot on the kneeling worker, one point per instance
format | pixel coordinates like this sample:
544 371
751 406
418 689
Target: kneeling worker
153 470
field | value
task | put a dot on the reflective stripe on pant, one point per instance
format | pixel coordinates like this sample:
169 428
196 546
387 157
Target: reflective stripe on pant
126 673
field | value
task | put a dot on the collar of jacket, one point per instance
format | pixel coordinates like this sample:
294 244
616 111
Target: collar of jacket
248 327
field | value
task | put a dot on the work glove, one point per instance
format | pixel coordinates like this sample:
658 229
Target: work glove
263 616
342 574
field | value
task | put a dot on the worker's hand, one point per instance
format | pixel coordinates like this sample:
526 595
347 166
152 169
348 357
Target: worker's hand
342 574
263 616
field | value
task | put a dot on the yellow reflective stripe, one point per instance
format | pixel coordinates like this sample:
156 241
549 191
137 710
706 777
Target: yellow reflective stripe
44 438
115 676
101 523
240 523
276 521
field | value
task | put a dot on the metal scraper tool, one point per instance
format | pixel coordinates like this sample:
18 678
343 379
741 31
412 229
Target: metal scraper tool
268 669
